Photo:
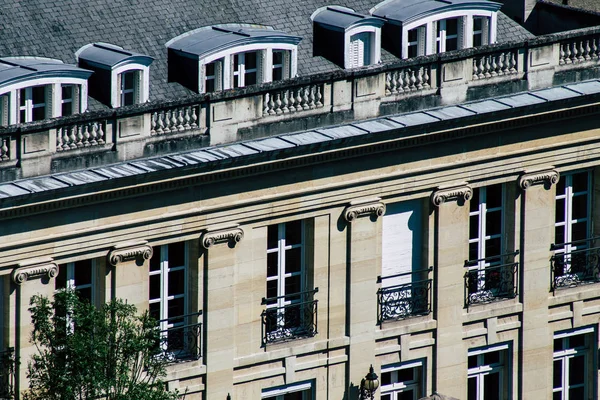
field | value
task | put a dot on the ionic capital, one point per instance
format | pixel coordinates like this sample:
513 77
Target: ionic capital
231 234
546 177
454 193
130 251
34 269
361 208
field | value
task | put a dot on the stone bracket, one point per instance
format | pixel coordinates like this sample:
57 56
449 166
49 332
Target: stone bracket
455 193
548 176
34 269
361 208
130 251
231 234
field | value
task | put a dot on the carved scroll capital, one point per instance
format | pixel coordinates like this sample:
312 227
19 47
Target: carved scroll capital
34 269
546 177
232 235
124 252
454 193
364 207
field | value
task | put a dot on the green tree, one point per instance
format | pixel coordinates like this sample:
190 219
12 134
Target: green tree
84 352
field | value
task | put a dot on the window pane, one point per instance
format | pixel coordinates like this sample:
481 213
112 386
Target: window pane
577 341
22 97
560 211
494 196
155 311
412 35
83 272
67 109
560 186
580 182
557 373
475 200
472 389
579 231
293 232
473 251
386 378
412 50
176 308
272 264
577 393
477 40
236 62
577 371
22 117
67 92
210 69
128 99
491 386
38 94
472 362
293 260
406 374
451 44
154 287
271 290
580 206
559 234
474 227
272 236
85 294
293 285
492 357
128 78
451 26
493 223
278 57
477 22
493 247
558 344
250 62
407 395
277 73
209 86
176 254
60 282
39 113
250 78
155 260
176 282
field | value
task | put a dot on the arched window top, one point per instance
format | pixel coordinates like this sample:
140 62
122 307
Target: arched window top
339 18
26 70
403 12
203 42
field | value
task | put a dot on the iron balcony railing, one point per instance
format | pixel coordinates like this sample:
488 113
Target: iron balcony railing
296 318
574 263
182 339
491 279
7 373
406 299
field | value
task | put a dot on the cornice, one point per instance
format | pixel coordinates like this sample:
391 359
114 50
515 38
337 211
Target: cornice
231 235
462 192
138 251
361 208
546 177
34 269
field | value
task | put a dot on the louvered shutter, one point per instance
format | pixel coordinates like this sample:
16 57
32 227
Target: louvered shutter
76 99
287 64
434 33
137 87
49 92
119 88
219 74
461 25
485 31
4 110
421 40
260 63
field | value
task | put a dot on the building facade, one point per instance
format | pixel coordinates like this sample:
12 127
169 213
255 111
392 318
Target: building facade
432 216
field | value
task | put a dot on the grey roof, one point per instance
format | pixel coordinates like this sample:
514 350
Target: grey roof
509 31
108 56
342 18
208 40
58 28
404 11
19 69
273 146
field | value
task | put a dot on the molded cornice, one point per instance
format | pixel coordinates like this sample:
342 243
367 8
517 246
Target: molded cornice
364 207
130 251
34 269
232 235
455 193
547 177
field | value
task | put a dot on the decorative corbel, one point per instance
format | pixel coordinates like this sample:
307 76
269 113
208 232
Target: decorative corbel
232 234
454 193
32 269
361 208
124 252
546 177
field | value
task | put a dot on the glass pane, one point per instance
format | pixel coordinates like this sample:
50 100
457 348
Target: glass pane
406 395
451 44
293 285
580 182
475 200
386 397
560 211
494 196
176 282
293 232
278 57
209 86
277 73
557 396
558 344
67 109
128 99
67 92
83 272
210 69
577 393
491 386
412 35
250 61
176 308
580 206
128 78
39 113
477 23
271 290
559 234
477 40
474 227
272 264
577 341
577 371
176 254
493 247
85 294
236 81
472 389
493 223
386 378
473 251
451 26
38 94
236 62
250 78
22 117
272 237
293 260
60 282
492 357
557 374
472 362
154 287
412 50
579 231
560 186
155 311
22 97
406 374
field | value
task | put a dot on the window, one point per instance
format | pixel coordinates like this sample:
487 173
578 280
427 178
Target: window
360 49
32 104
213 76
413 43
402 382
68 100
79 276
574 375
281 64
245 69
129 88
481 27
299 391
573 208
447 35
489 373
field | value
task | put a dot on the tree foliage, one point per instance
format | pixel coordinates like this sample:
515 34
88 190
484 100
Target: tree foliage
84 352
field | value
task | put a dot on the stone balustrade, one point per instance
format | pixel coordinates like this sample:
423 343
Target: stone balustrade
178 119
495 64
4 149
407 80
71 137
293 100
579 50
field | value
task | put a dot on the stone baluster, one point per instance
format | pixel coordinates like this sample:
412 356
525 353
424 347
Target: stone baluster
426 84
494 65
580 51
59 141
318 97
266 104
311 97
299 100
186 118
72 137
475 69
4 155
153 123
100 133
86 136
285 102
562 55
78 135
419 79
291 101
388 83
594 49
160 125
94 134
180 120
567 53
65 138
166 121
278 109
413 81
174 120
194 123
587 50
305 105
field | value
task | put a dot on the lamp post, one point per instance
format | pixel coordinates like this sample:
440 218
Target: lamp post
369 385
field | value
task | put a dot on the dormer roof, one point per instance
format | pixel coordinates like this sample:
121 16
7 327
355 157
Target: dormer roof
342 18
21 69
406 11
201 43
108 56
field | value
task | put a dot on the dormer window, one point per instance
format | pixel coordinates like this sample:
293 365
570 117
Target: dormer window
346 38
231 56
69 99
422 27
32 104
121 77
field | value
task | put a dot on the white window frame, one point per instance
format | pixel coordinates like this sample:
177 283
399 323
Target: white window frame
142 80
417 385
483 369
70 279
280 392
74 99
242 71
567 353
569 221
284 66
484 32
374 46
29 105
217 77
442 37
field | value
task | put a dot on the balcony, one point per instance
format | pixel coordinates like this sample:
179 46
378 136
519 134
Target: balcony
7 373
574 264
491 279
289 317
181 337
405 300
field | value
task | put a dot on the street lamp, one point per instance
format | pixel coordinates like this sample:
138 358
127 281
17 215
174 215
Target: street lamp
369 385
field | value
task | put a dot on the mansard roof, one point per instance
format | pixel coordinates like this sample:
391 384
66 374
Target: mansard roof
109 56
404 11
20 69
342 18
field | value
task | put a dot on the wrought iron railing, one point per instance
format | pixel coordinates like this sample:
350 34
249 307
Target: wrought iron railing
298 319
491 279
574 263
183 339
407 299
7 373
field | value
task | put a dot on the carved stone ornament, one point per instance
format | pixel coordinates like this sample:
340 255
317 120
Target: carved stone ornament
225 235
455 193
34 269
547 176
364 207
129 252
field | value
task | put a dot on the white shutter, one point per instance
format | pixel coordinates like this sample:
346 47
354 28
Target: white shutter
421 40
260 65
287 65
76 99
485 31
434 33
49 91
402 242
119 88
219 74
461 34
137 87
4 110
